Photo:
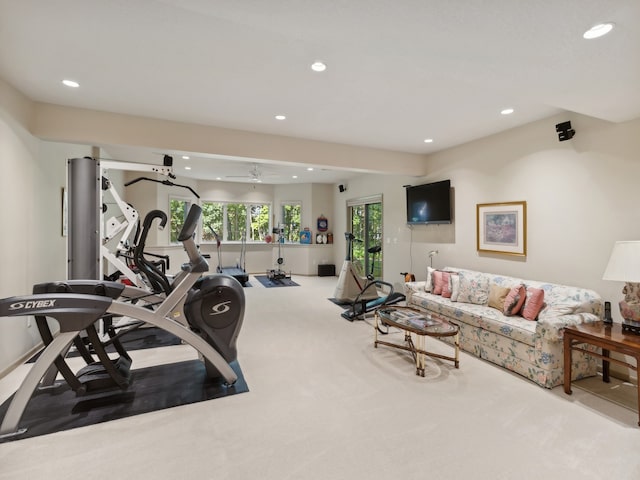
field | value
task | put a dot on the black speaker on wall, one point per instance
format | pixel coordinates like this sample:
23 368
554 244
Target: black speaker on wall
342 188
565 132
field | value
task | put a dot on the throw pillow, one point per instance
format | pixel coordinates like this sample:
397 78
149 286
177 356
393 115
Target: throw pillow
514 300
497 294
474 287
455 286
446 284
428 286
533 304
438 282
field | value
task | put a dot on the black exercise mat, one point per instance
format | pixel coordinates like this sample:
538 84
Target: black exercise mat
153 388
283 282
341 303
138 339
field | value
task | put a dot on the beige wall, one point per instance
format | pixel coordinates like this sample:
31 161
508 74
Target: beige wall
88 127
581 197
32 248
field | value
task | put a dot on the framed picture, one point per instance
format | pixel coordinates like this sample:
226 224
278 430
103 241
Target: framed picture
502 228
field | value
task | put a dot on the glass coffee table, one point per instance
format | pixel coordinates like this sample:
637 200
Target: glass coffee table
420 325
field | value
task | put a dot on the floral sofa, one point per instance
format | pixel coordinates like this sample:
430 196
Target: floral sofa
530 347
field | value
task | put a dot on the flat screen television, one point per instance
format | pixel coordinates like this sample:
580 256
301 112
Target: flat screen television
429 203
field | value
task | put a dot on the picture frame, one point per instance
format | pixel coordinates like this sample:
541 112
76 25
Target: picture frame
502 228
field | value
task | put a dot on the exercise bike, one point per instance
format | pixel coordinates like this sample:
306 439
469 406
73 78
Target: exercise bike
205 312
351 284
360 305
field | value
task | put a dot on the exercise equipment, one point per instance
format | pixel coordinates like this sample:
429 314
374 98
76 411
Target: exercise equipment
360 306
205 312
239 271
351 283
278 273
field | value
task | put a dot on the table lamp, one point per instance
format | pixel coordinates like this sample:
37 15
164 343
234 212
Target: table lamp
432 253
624 266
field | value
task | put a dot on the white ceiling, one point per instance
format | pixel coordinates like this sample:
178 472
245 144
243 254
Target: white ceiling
399 71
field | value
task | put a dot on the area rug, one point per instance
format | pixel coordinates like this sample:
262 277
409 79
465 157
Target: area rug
283 282
153 388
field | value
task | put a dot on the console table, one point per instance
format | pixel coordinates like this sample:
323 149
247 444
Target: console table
609 338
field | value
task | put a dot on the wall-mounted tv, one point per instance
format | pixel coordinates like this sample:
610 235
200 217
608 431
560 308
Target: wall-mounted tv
429 203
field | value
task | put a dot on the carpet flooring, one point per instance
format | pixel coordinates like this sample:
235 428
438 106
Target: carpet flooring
324 403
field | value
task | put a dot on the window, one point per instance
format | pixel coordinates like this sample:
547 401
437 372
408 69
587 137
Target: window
212 221
259 222
178 208
234 221
291 221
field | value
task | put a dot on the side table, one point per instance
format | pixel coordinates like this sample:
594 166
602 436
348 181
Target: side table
609 338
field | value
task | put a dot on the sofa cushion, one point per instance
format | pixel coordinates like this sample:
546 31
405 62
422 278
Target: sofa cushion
516 328
533 303
497 296
428 285
474 287
514 300
455 286
446 284
438 282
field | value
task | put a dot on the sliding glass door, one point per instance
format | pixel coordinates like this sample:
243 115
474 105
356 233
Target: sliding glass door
365 219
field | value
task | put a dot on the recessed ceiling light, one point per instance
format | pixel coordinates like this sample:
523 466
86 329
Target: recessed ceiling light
318 66
71 83
185 157
280 117
428 140
507 111
187 168
294 176
310 169
598 30
218 178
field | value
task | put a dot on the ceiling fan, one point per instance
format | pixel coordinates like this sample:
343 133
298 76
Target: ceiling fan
254 175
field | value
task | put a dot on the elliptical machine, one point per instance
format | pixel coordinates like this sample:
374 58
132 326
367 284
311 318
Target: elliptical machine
206 313
213 306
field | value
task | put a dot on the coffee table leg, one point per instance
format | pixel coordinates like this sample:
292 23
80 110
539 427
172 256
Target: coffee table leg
420 357
456 343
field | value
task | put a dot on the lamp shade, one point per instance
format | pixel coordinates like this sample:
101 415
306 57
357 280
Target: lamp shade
624 263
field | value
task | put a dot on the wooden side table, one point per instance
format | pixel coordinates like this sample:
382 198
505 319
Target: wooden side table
609 338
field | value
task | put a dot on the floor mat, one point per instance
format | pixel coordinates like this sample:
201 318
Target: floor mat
341 303
283 282
139 339
153 388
